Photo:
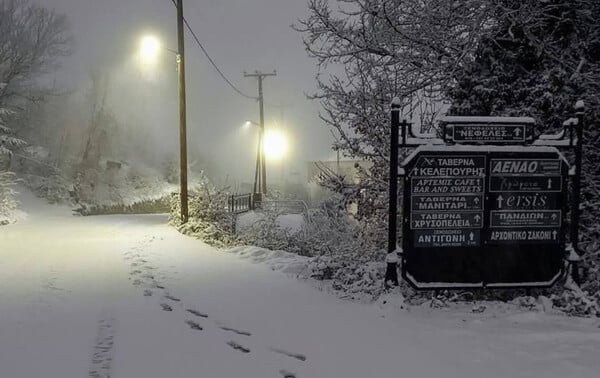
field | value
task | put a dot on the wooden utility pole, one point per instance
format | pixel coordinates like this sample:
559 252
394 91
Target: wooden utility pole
260 76
183 195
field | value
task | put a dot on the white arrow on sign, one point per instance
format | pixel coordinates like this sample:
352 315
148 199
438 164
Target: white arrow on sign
554 233
472 236
517 131
476 201
500 199
477 218
549 183
553 216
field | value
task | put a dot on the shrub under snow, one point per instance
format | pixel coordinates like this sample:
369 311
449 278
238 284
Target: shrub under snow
8 203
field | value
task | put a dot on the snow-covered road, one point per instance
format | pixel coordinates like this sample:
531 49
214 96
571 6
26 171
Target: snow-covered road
129 297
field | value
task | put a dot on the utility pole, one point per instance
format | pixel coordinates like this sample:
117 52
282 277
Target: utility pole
183 194
260 76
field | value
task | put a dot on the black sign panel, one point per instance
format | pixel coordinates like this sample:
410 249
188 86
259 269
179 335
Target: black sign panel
447 238
475 217
502 133
454 187
486 133
443 202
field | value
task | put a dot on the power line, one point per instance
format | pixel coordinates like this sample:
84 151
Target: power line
212 62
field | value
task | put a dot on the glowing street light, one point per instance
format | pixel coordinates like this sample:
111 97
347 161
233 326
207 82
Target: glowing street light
149 49
272 145
275 144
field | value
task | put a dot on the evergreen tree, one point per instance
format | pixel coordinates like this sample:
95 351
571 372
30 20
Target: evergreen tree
537 60
8 142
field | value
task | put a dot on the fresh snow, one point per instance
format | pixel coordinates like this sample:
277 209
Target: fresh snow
128 296
483 149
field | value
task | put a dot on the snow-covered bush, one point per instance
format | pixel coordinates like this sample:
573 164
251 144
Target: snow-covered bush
342 251
8 143
577 302
208 219
266 233
54 187
8 203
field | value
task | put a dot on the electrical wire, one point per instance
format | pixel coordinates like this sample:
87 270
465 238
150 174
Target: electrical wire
212 62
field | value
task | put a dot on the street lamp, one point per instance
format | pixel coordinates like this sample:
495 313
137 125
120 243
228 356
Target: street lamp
274 144
258 185
271 145
150 48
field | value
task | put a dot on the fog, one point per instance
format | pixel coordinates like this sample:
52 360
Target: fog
240 35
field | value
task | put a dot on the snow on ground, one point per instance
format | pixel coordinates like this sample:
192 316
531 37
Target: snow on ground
127 296
291 222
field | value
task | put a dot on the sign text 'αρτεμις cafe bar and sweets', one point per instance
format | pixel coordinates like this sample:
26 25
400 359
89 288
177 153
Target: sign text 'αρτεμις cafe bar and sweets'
447 201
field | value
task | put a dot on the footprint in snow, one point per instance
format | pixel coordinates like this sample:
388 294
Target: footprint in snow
197 313
297 356
239 347
193 325
147 293
156 285
287 374
244 333
166 307
172 298
102 355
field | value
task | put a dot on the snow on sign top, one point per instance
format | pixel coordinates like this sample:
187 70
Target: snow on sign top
483 149
487 120
488 130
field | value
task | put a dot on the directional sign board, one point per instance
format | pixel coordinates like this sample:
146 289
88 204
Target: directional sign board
483 216
489 130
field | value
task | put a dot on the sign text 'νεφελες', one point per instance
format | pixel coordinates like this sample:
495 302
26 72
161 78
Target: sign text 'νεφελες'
487 133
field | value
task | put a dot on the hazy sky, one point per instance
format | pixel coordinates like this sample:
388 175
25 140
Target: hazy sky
239 35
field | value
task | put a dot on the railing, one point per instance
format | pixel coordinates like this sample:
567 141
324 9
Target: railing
286 207
239 203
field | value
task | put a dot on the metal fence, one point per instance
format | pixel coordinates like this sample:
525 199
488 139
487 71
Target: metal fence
286 207
239 203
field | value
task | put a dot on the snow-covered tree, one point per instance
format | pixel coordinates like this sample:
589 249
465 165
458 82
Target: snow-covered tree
7 179
538 60
369 51
32 39
8 142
